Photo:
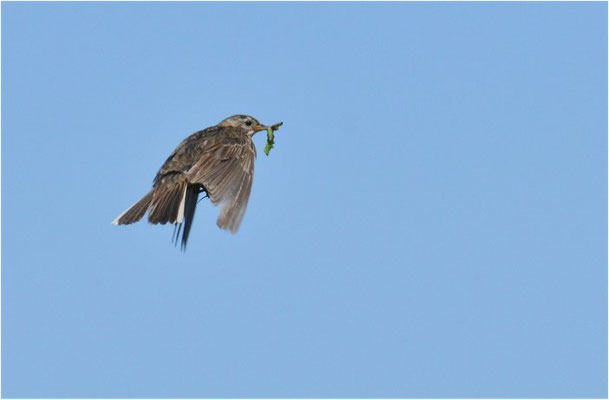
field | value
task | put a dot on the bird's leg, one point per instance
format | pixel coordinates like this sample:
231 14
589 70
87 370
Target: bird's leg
202 189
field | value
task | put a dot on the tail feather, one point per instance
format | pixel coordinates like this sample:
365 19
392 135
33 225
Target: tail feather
173 200
167 200
135 212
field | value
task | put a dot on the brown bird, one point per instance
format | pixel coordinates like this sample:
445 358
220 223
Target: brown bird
218 161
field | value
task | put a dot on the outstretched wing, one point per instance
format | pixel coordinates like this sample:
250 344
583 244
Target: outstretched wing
225 167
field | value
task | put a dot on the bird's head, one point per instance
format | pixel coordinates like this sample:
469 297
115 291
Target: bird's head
249 124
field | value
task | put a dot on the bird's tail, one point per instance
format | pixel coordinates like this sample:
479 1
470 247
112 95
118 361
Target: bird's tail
135 212
167 204
173 200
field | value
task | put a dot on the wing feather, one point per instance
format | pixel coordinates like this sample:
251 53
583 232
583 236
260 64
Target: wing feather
225 168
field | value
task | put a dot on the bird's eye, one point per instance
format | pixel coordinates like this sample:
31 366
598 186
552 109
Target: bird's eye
248 122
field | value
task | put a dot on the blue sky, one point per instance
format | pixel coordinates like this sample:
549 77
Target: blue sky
431 222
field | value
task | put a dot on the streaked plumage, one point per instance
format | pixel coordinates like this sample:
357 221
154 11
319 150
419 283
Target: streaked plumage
218 161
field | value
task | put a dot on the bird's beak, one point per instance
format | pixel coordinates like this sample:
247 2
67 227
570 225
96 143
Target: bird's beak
259 128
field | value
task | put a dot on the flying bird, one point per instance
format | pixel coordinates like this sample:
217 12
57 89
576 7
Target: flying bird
217 161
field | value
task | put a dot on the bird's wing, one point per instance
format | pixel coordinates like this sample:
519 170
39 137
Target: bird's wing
188 152
225 168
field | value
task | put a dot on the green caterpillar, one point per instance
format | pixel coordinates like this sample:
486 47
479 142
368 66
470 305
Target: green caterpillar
270 137
270 140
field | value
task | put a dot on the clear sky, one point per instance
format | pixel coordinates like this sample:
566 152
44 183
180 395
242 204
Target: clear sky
431 223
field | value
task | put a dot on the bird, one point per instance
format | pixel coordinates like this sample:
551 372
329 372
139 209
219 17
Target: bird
217 161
